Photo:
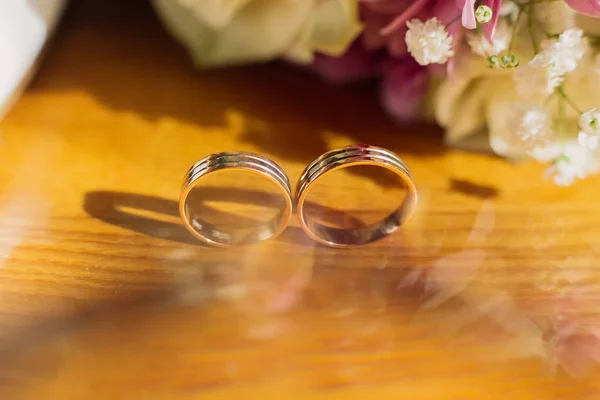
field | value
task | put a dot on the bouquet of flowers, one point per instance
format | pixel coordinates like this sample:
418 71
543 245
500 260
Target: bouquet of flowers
519 77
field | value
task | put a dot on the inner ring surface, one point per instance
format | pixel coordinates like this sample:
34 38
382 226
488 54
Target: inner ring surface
215 235
340 237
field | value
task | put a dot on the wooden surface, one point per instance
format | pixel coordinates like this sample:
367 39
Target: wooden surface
104 295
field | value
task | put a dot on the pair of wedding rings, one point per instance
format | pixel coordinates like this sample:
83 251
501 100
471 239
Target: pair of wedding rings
333 160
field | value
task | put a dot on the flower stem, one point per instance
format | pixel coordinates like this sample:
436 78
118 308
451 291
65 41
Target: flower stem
561 117
528 9
453 20
546 33
561 93
536 48
514 30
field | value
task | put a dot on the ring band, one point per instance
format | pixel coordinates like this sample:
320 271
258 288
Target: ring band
245 161
348 157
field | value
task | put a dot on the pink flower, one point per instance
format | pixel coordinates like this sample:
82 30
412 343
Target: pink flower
444 10
488 28
403 87
572 335
381 50
577 345
587 7
468 14
403 82
357 64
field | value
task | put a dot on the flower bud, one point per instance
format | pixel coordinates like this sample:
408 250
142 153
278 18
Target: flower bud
483 14
509 61
493 62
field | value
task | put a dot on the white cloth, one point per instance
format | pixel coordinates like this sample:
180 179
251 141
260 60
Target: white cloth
24 28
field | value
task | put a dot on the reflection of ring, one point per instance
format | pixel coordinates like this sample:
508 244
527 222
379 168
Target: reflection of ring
345 157
243 161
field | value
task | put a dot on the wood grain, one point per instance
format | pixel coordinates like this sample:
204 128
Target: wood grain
104 294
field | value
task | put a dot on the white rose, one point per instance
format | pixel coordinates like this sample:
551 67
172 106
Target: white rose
476 103
225 32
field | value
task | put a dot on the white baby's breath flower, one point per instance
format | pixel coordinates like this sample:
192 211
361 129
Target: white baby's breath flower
588 141
589 122
546 153
536 78
482 47
428 42
526 130
532 125
562 56
575 162
479 99
563 172
573 43
547 69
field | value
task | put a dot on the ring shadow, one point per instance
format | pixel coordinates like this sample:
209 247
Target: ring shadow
108 206
473 189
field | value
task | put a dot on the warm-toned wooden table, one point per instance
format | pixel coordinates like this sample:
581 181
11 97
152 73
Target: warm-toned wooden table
104 295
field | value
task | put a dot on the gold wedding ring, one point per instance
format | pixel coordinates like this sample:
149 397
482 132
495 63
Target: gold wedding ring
345 157
225 236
